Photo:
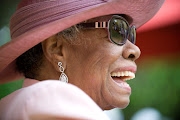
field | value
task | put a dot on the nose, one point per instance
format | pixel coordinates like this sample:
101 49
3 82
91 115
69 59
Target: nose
130 51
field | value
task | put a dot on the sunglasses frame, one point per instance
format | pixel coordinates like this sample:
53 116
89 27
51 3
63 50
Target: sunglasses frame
106 25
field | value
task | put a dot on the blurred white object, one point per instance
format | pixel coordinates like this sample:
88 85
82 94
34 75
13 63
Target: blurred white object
4 35
147 114
114 114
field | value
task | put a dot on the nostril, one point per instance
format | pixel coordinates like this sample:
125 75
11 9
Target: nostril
131 56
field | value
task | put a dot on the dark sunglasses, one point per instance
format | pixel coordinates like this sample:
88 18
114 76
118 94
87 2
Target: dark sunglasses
117 27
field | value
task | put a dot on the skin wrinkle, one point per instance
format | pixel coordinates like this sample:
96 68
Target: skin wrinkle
109 90
96 62
107 106
107 71
98 70
111 97
93 66
88 62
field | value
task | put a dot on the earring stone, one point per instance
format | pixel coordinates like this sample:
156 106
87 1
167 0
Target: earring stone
63 77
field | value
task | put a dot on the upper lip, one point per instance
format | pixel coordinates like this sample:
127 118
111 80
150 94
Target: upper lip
129 68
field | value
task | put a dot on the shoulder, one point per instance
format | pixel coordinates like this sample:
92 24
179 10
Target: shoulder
50 98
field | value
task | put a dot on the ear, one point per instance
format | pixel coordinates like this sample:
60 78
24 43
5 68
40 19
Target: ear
54 52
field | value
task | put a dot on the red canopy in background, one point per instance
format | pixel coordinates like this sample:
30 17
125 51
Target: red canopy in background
161 35
169 14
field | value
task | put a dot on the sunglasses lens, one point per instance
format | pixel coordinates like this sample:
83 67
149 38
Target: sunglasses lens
132 35
118 29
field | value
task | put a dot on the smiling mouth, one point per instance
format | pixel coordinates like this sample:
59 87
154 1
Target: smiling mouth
125 75
120 78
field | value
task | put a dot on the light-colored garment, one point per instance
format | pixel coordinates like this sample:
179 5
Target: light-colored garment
49 100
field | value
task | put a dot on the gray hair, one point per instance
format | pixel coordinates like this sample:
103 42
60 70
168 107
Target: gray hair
71 35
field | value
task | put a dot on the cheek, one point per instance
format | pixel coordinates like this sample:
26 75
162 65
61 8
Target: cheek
114 96
89 69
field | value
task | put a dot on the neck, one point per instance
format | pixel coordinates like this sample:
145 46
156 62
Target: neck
47 71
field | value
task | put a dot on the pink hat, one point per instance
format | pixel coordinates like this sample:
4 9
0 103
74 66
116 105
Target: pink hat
36 20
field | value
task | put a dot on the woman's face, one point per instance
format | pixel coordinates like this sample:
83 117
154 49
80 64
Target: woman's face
93 65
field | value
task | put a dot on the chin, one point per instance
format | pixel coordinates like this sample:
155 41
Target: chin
120 103
124 105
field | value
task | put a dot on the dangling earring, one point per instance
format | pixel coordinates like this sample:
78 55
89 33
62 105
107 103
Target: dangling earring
63 77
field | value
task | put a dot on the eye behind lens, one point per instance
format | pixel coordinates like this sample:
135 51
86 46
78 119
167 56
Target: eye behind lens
118 30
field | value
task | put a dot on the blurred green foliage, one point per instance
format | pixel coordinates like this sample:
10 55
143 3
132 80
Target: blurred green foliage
4 35
8 88
7 8
157 85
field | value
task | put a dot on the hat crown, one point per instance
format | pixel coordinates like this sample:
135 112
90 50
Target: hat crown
31 14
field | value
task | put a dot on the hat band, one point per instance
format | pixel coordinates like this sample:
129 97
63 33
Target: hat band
41 13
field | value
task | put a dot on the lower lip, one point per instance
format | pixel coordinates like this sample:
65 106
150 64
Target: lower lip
118 82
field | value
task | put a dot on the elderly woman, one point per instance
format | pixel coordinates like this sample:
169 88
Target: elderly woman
76 56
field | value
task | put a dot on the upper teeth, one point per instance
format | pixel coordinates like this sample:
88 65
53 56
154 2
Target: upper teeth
130 74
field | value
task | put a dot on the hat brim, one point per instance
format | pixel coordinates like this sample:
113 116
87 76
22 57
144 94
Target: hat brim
140 12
